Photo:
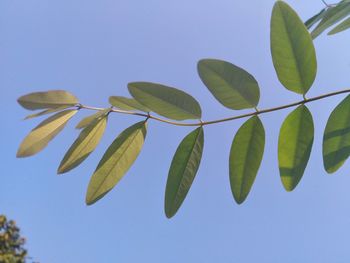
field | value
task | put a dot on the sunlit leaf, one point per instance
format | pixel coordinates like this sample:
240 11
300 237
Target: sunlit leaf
336 138
85 144
166 101
315 19
341 27
45 112
183 169
232 86
294 146
292 49
245 157
47 100
90 119
117 160
128 104
41 135
332 16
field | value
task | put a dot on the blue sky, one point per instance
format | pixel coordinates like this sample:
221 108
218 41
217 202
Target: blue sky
93 49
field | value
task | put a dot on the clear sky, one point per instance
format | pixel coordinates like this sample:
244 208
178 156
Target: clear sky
93 49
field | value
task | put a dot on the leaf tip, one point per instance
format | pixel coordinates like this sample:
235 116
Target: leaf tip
289 187
239 200
169 213
61 170
20 154
90 199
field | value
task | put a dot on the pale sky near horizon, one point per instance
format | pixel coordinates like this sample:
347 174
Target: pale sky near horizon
93 49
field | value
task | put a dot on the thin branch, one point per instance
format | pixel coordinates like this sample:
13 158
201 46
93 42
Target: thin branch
329 5
202 123
323 1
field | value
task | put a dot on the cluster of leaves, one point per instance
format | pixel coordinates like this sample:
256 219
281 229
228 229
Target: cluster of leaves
11 243
328 17
294 59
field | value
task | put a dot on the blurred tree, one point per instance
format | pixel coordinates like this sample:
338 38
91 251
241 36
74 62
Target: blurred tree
11 243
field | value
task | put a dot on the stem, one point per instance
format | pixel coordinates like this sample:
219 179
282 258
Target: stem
327 5
202 123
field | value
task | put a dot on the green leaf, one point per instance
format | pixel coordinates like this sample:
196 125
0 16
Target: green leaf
44 112
245 157
85 144
332 16
336 138
117 160
294 146
293 52
90 119
232 86
341 27
166 101
315 19
47 100
183 169
127 104
41 135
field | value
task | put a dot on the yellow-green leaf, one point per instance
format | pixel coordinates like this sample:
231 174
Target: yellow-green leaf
44 112
117 160
41 135
336 138
183 169
90 119
232 86
294 146
332 16
128 104
47 100
292 49
85 144
341 27
245 157
166 101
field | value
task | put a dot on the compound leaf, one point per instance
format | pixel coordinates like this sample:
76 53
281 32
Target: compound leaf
332 16
41 135
183 169
293 52
294 146
232 86
166 101
245 157
116 161
336 138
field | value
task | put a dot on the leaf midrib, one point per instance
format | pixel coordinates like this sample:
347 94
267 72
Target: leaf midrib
288 31
113 166
58 127
167 102
245 167
92 135
241 95
343 138
176 197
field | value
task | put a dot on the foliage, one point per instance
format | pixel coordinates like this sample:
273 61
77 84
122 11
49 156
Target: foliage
11 243
294 59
